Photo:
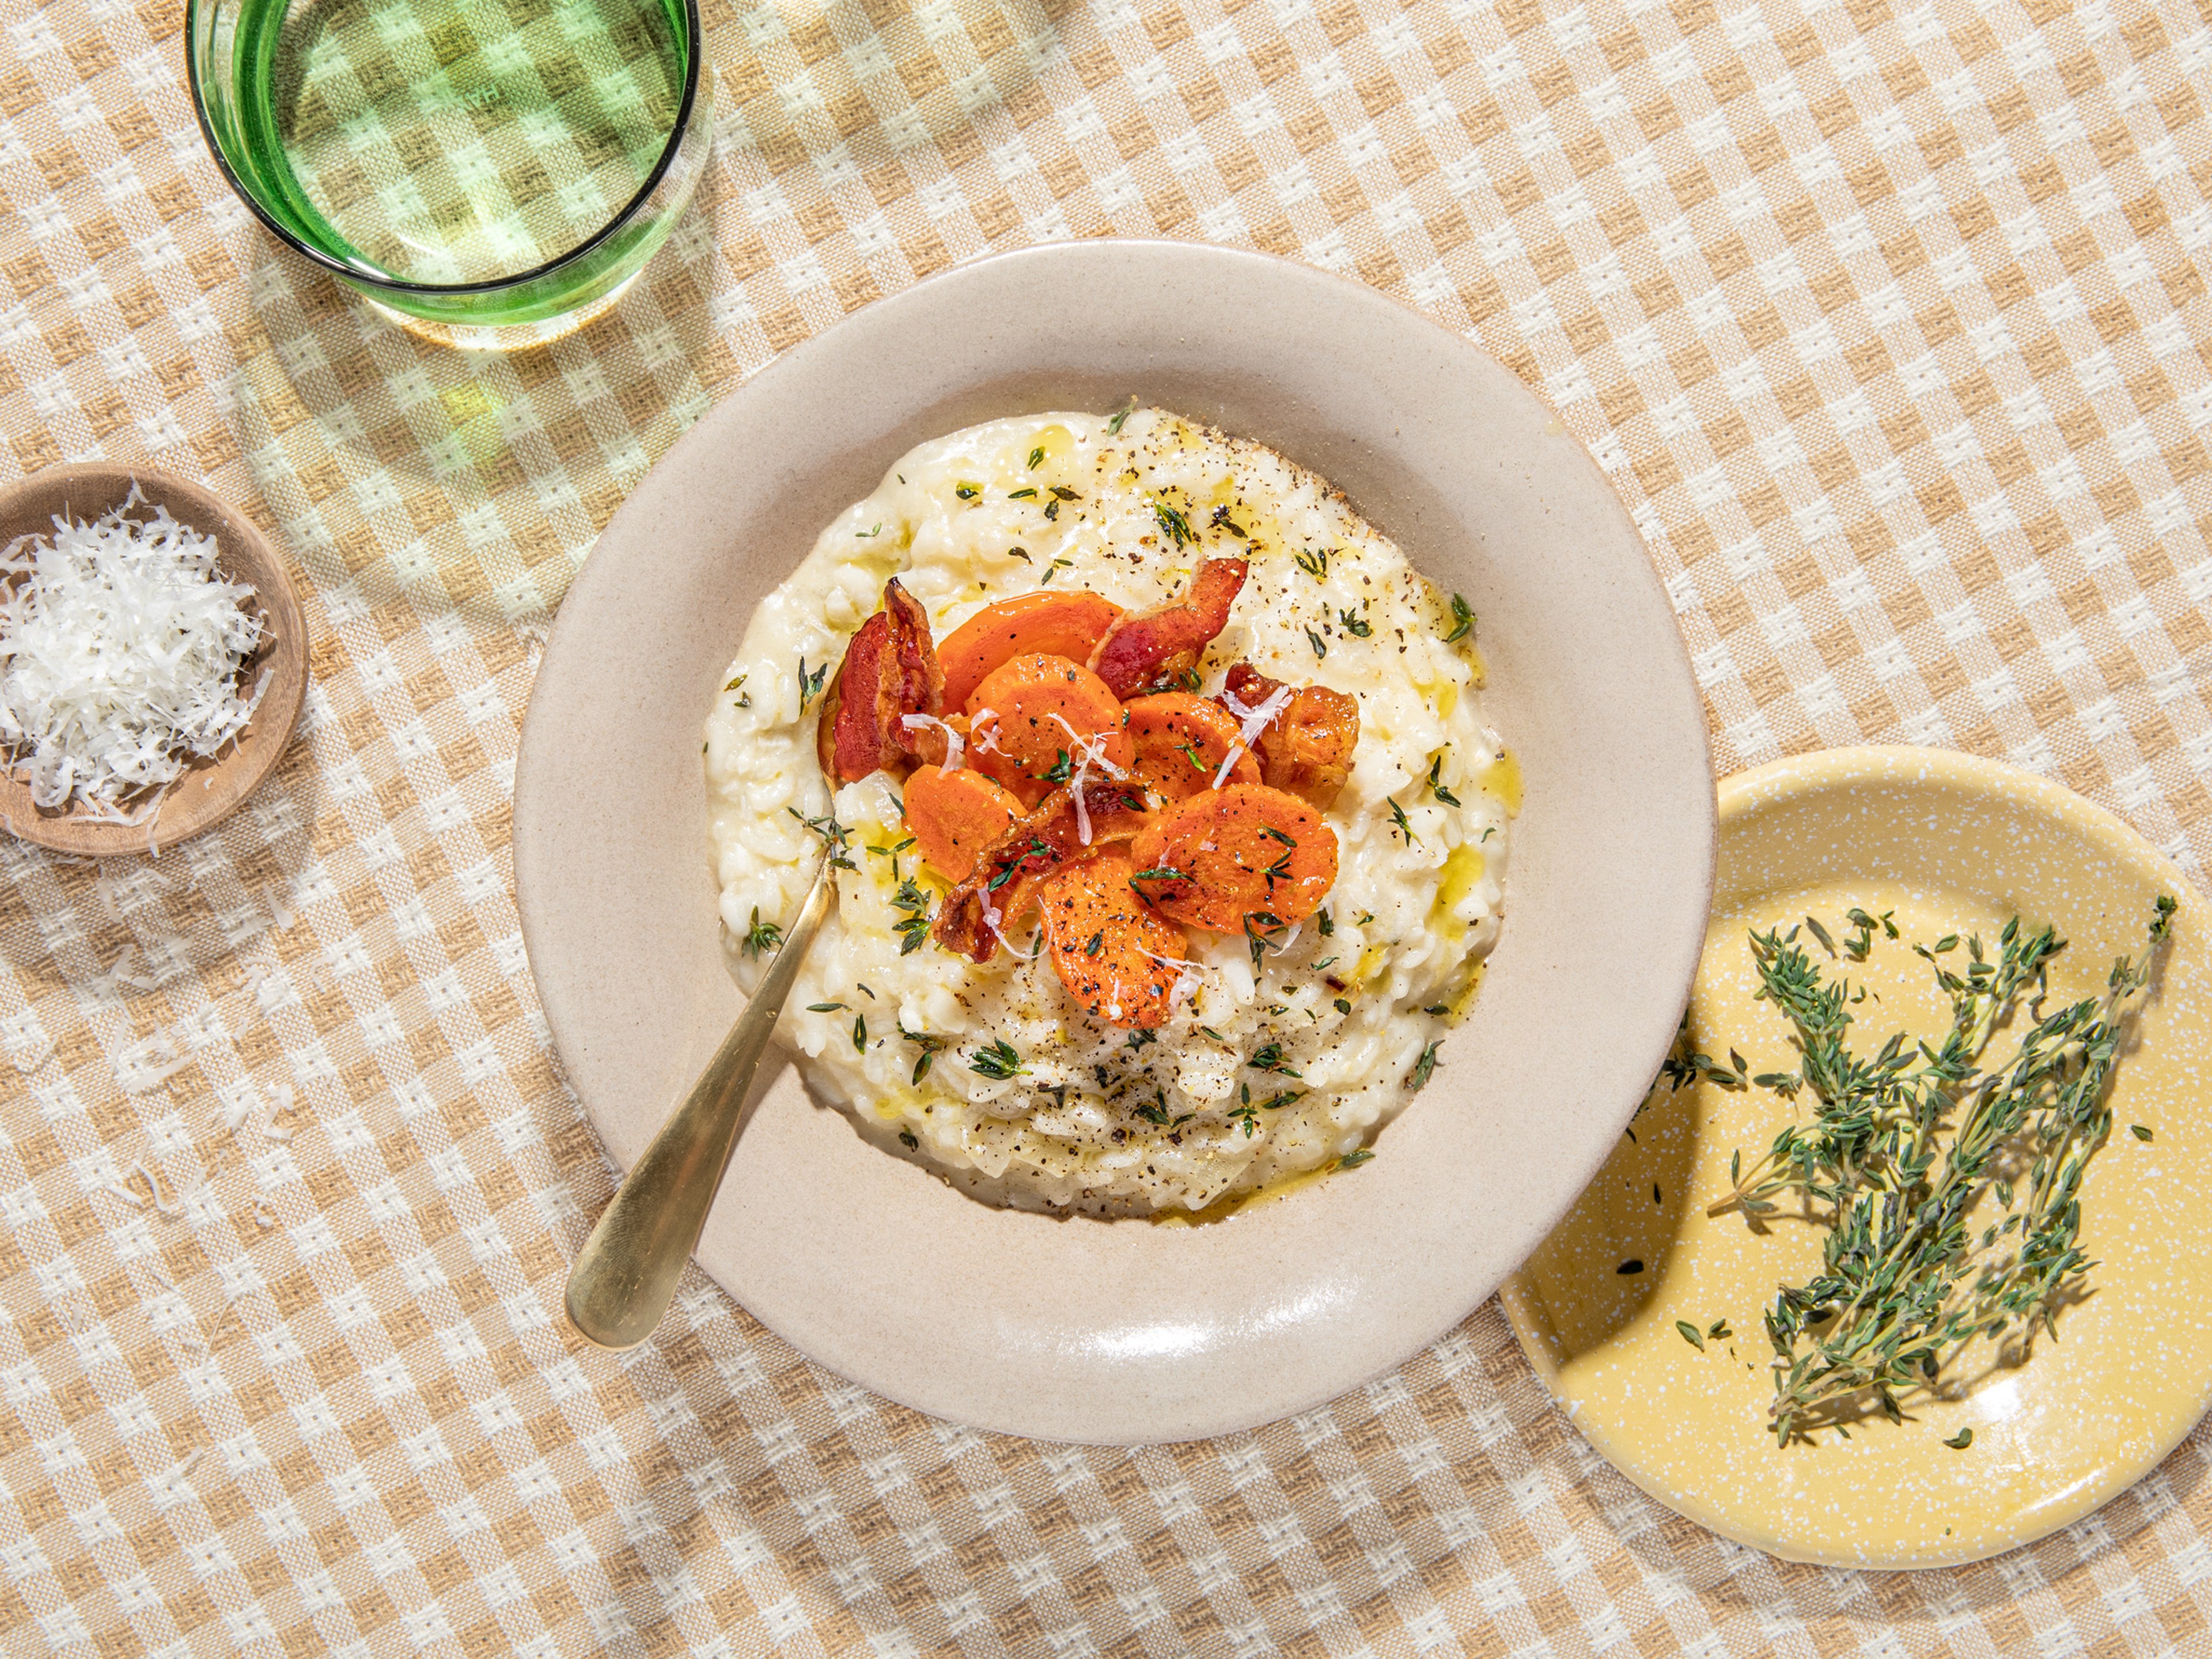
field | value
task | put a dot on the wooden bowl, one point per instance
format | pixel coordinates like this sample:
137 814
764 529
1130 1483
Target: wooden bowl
210 790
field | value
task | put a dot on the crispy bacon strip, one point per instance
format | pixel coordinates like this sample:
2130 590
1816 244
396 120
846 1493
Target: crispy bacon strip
1307 748
890 672
1003 884
1144 647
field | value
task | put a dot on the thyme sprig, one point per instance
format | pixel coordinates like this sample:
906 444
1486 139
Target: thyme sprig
1901 1150
912 926
998 1059
835 838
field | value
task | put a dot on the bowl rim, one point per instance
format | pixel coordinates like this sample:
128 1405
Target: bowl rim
695 71
654 510
200 507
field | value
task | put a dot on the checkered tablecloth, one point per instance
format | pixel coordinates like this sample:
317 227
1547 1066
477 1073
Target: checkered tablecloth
1889 321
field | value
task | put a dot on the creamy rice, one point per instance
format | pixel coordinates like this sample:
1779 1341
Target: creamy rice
1107 1121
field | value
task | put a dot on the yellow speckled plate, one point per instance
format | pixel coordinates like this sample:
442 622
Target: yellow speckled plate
1948 843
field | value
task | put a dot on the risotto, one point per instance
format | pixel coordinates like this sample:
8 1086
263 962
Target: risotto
1170 835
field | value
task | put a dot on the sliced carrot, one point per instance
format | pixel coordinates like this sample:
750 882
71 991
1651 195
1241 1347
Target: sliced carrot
982 908
954 816
1181 741
1033 723
1117 959
1065 622
1307 748
1229 857
1145 648
890 670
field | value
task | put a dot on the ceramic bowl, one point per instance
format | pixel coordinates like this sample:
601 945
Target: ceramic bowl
1123 1331
210 790
1943 844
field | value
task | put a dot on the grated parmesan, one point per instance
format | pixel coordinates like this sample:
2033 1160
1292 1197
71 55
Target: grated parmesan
121 646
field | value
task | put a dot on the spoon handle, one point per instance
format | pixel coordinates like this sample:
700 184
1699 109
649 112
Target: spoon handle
628 1270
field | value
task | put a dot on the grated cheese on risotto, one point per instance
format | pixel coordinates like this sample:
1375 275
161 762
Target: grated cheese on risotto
992 1073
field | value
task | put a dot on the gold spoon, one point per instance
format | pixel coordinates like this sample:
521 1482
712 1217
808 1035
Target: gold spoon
628 1270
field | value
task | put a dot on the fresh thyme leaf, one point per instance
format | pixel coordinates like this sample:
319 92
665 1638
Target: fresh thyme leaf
1342 1006
1397 817
761 935
929 1046
2139 1131
1320 649
1314 564
1720 1331
1036 455
1138 1039
1113 426
825 1007
1960 1441
1691 1334
1326 923
1062 492
864 534
1052 510
1221 520
1188 749
1631 1265
966 491
1354 1160
1055 568
1821 934
1000 1059
1463 621
1268 1057
1029 494
1176 526
1021 553
1436 788
906 1141
1062 769
1263 930
1424 1067
860 1033
1355 624
1160 873
809 685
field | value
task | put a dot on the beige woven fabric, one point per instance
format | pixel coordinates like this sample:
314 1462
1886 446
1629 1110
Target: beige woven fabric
1889 321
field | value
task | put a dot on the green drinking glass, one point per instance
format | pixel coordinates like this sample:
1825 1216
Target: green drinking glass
491 172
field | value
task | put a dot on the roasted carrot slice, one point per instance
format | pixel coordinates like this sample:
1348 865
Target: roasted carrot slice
1307 747
1117 959
1039 721
1181 742
1144 649
954 816
1243 858
890 672
1068 823
1057 623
